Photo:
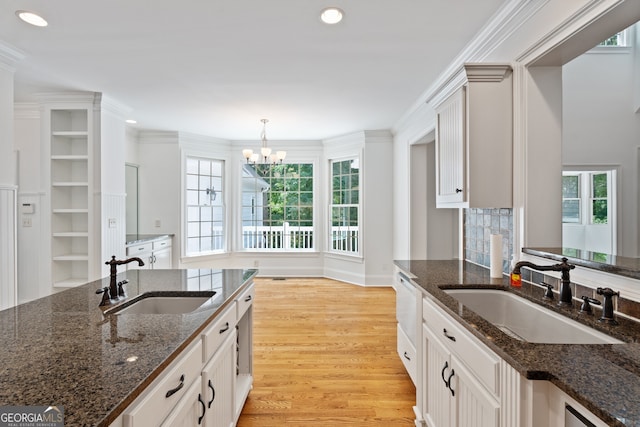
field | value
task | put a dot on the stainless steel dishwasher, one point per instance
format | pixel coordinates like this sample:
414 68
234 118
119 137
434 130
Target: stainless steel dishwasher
406 307
573 418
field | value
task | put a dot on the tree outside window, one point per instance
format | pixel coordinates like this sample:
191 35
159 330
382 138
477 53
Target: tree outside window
277 206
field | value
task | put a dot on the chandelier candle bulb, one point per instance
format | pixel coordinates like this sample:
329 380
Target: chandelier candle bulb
496 256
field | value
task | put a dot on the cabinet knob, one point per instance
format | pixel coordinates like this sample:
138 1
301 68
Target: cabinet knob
458 190
406 356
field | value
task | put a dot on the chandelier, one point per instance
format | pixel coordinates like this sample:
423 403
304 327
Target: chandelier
265 151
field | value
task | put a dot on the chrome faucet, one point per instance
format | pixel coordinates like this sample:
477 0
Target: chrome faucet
113 286
565 285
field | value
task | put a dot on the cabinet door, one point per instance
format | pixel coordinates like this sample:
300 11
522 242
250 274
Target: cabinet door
162 259
472 404
437 395
450 150
190 411
218 385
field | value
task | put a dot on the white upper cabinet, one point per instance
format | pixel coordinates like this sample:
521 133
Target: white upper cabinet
474 139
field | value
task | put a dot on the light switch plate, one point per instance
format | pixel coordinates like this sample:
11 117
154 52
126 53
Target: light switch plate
112 223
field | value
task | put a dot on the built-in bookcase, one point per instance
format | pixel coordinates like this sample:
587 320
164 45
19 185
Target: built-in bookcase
70 196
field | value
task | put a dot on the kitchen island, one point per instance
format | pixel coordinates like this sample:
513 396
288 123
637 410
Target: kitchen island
64 350
604 378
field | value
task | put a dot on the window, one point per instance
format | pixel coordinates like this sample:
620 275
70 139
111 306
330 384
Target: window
587 191
345 206
277 207
571 202
618 39
205 206
599 198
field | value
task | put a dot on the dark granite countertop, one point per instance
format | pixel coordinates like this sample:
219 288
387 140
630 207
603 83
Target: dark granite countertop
134 239
62 350
605 378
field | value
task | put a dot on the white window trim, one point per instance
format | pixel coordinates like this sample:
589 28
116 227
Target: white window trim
335 253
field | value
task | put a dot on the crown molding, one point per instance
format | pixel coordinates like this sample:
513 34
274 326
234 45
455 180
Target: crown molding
507 20
10 56
487 72
26 110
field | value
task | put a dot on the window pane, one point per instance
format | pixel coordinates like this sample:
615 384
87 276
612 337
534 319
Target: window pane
192 166
571 211
571 186
272 197
192 197
599 208
599 185
203 190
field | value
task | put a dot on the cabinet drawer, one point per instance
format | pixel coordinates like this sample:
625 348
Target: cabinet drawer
161 244
153 406
215 334
407 353
479 359
135 250
245 300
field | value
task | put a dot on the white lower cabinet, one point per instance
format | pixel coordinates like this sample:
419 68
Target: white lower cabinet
218 385
461 379
191 409
208 383
167 392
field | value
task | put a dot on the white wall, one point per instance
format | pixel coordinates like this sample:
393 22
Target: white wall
31 283
601 127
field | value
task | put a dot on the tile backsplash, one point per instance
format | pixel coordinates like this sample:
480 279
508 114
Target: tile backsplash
479 225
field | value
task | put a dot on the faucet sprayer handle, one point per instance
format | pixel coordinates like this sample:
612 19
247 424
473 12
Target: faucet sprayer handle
548 294
586 304
106 296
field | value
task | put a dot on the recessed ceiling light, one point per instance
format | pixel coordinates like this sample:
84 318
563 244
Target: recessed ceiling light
131 121
331 15
31 18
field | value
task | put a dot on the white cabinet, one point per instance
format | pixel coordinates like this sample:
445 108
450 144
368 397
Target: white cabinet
461 379
70 198
244 342
167 391
208 384
156 254
474 139
190 410
406 314
218 385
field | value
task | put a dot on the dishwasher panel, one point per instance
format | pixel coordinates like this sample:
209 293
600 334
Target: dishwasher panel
573 418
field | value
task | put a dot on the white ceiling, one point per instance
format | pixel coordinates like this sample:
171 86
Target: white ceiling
216 67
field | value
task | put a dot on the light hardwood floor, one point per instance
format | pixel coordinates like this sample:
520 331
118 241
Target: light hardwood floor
325 355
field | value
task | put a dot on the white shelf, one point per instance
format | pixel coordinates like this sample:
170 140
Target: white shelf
69 157
71 133
70 211
71 282
71 257
69 184
72 234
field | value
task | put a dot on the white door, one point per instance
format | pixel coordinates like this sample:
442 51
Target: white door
438 371
218 384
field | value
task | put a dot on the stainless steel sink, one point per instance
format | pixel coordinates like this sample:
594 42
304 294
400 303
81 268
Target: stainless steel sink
525 320
164 305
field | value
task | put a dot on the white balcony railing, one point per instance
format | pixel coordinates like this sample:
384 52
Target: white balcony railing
286 237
